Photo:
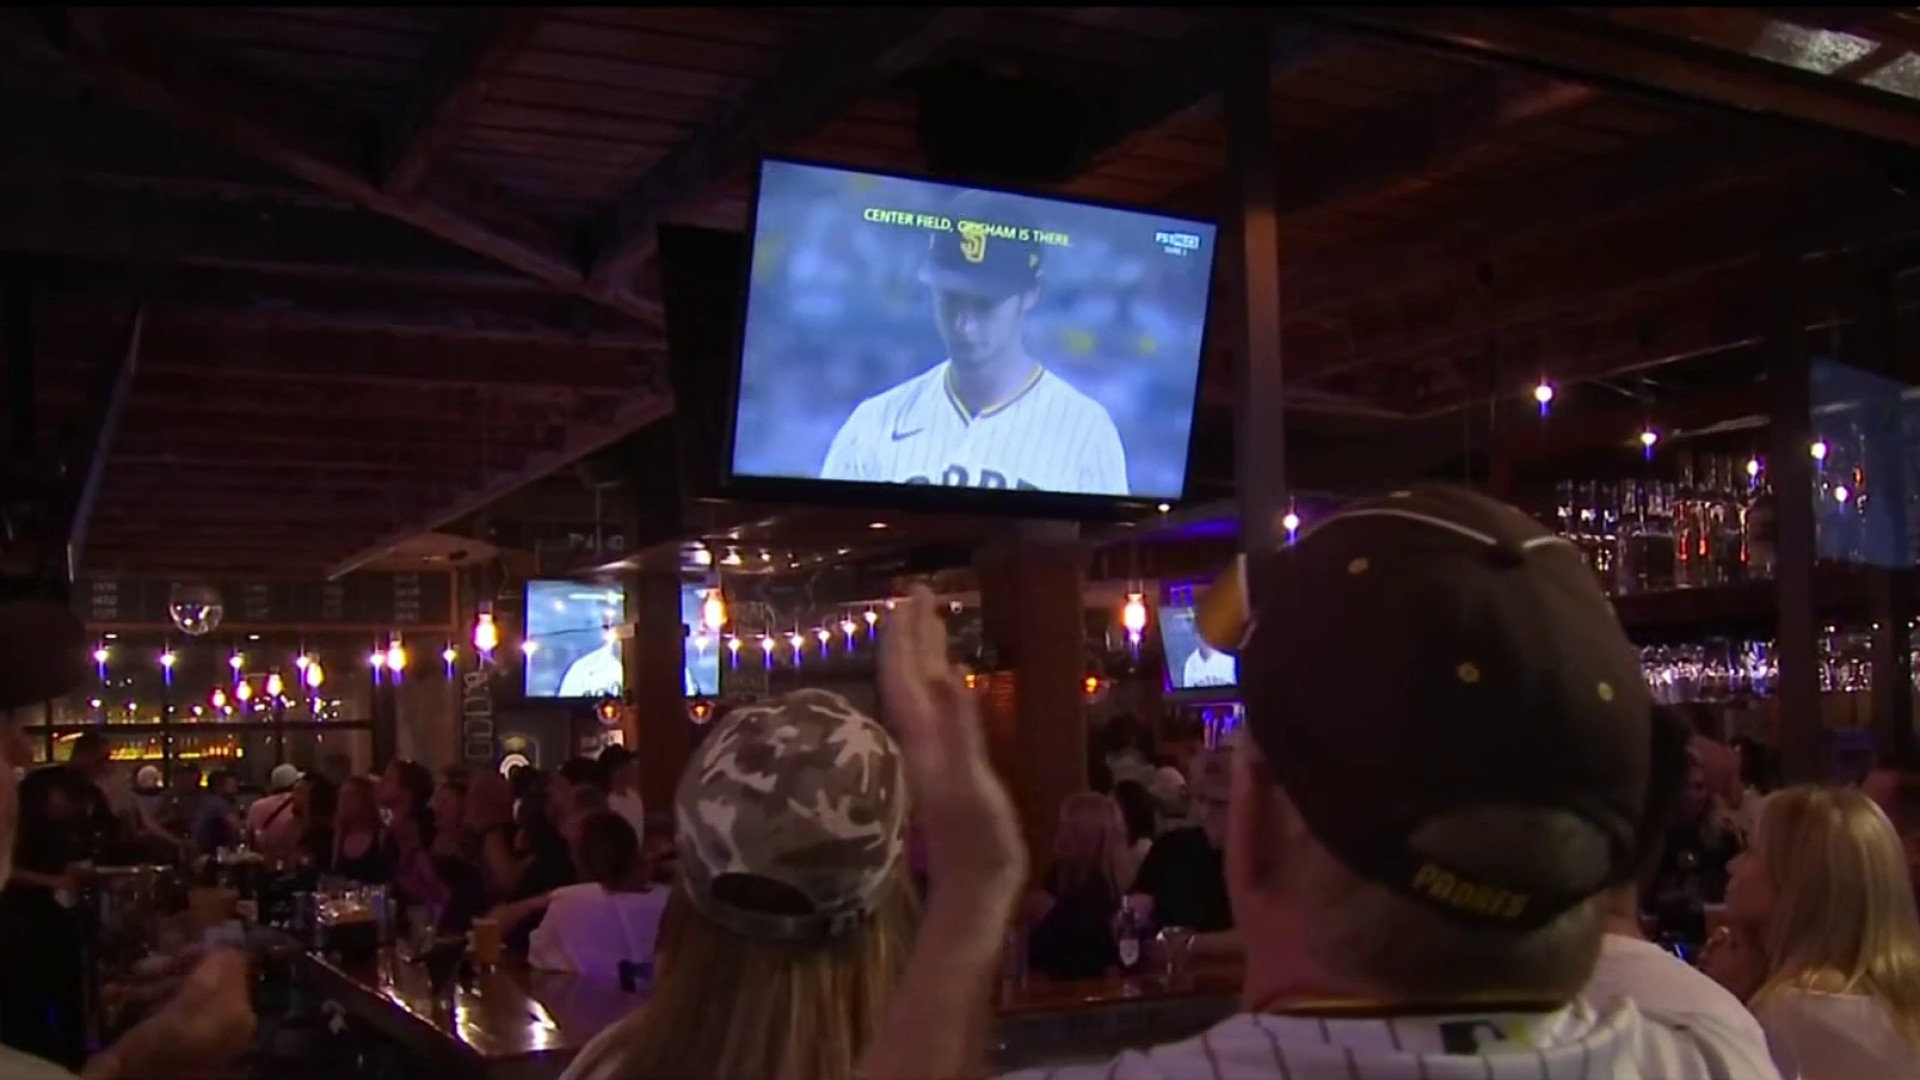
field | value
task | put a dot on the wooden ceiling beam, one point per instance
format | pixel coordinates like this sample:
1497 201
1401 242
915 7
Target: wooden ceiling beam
74 221
1588 47
185 417
1188 76
642 409
253 356
519 312
851 54
460 68
160 72
1370 154
1609 266
1523 210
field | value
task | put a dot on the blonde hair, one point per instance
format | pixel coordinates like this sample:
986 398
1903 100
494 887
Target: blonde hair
1091 842
1843 910
724 1006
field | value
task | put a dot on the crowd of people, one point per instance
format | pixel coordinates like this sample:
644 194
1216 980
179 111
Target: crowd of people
1497 863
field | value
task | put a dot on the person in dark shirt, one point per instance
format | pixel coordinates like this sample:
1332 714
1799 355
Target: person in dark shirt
1696 852
1184 874
544 864
216 821
41 994
1074 907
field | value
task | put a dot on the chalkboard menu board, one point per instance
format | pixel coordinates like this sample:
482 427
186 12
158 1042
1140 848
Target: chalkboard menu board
366 599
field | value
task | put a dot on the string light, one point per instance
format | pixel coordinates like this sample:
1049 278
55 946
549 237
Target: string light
218 698
1818 450
397 656
1647 439
733 647
713 610
1133 616
1753 468
871 616
242 691
167 659
274 685
1841 494
300 662
529 647
1543 395
315 675
1290 521
486 636
766 651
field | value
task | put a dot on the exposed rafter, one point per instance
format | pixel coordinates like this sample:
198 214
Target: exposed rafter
1590 47
459 69
182 82
852 54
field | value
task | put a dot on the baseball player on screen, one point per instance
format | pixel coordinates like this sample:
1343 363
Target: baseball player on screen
989 415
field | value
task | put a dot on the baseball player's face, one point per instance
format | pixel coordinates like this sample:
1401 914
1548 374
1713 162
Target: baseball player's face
978 331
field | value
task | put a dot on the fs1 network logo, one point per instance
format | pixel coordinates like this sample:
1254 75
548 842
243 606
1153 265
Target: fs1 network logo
1177 243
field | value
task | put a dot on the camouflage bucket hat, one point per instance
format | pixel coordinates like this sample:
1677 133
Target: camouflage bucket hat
791 819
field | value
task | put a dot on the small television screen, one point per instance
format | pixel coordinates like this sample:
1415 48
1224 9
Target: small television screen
576 649
703 650
910 332
1192 664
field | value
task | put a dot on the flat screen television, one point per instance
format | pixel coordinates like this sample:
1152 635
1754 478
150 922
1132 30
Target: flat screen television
576 649
910 336
703 650
1192 664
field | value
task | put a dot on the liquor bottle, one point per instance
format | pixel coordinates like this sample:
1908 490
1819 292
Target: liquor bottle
1130 933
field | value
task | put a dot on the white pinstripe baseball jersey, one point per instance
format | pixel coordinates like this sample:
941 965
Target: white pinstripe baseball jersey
1046 437
1573 1044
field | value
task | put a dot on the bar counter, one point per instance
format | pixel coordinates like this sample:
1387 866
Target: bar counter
515 1023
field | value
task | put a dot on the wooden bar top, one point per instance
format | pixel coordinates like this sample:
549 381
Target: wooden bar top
517 1013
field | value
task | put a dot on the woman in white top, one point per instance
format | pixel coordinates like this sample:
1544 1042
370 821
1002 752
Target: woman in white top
1823 939
612 917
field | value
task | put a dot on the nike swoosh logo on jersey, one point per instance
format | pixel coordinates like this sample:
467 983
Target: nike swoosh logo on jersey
899 435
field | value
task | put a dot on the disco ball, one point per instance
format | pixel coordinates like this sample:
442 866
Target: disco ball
195 608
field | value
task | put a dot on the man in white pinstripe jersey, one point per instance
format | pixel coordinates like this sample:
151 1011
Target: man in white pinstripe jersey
988 416
1444 773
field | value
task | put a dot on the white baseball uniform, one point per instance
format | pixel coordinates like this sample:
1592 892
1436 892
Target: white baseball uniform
1203 670
1046 437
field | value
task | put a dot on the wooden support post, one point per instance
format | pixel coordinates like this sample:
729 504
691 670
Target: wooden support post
655 659
1890 543
1259 436
1030 601
1803 743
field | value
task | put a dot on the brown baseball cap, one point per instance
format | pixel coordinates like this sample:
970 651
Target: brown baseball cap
1434 653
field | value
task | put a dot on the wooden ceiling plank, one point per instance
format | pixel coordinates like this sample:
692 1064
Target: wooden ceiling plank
814 85
183 83
1368 154
643 409
1186 78
1628 58
124 226
460 69
1525 209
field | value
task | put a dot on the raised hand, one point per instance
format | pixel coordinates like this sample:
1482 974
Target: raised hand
974 847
